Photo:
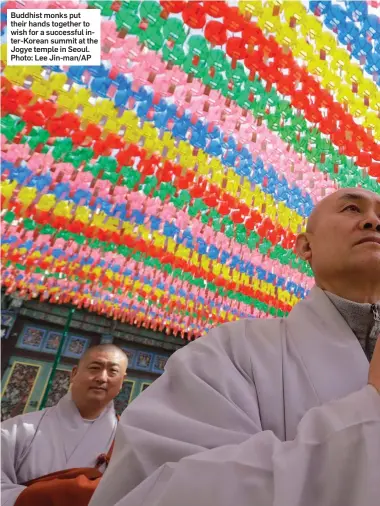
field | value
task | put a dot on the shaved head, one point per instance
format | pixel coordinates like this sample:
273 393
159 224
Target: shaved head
323 206
342 238
106 347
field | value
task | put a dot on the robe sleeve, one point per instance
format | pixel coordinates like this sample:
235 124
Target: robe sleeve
16 436
10 489
194 437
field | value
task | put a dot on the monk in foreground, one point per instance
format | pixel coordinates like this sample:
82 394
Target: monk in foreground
56 456
271 412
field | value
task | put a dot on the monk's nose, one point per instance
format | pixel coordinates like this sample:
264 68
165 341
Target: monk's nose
372 222
102 376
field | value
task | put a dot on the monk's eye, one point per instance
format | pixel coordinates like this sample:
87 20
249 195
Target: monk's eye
352 207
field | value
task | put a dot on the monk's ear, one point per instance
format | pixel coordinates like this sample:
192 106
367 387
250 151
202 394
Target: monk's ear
303 247
73 373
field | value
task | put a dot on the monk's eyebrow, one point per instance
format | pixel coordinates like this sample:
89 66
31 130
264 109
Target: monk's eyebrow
97 362
352 196
356 197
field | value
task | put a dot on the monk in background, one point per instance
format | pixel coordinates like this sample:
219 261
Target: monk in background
56 456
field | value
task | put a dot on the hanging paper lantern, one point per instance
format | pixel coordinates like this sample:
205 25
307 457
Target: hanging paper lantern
167 185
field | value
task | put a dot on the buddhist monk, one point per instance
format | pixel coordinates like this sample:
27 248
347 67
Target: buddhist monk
70 440
271 412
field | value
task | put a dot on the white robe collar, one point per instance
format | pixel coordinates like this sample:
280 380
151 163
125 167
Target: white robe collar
75 430
332 333
58 438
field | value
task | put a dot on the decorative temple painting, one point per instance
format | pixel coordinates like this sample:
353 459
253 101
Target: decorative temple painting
60 386
7 320
32 338
52 341
39 339
18 389
76 346
124 397
131 354
144 360
159 363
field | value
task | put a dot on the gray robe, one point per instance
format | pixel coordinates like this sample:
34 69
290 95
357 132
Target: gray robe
50 440
270 412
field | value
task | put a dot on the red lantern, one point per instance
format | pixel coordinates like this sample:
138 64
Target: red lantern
252 221
210 200
299 100
215 32
93 131
9 105
272 74
253 62
167 172
101 148
288 242
114 141
60 222
224 208
364 160
184 182
174 7
327 127
312 114
284 61
215 190
79 138
376 152
70 121
338 138
252 35
233 20
350 149
265 227
236 48
335 112
34 118
215 9
48 109
24 97
285 84
126 157
194 15
237 217
374 170
197 191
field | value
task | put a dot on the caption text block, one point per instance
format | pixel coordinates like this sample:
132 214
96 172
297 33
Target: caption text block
53 37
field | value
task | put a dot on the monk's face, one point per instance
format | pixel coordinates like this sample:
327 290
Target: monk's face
343 236
98 377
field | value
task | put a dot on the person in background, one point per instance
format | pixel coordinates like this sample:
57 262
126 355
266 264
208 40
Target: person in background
57 455
264 412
